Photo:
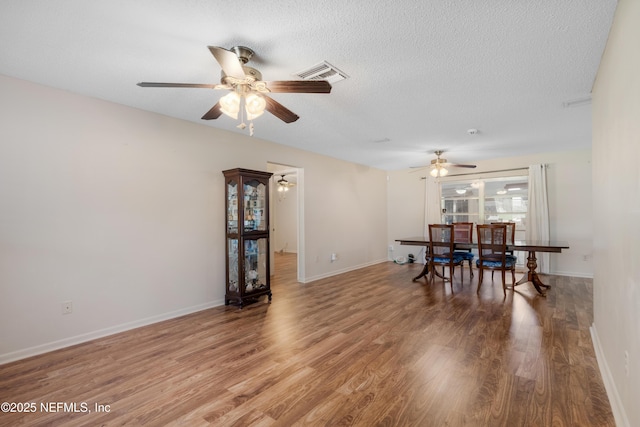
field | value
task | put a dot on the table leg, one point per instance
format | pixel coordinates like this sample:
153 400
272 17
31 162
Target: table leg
423 273
532 274
425 270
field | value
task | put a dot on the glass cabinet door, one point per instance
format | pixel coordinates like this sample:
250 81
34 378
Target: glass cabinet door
232 254
232 207
255 264
254 206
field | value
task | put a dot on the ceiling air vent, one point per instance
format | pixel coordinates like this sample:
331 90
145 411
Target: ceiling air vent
322 71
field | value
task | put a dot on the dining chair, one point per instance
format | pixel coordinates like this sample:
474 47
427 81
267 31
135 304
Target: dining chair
511 239
441 251
463 233
511 233
492 253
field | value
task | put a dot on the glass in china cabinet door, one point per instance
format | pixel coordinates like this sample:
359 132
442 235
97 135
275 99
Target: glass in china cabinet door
232 253
255 206
255 264
232 207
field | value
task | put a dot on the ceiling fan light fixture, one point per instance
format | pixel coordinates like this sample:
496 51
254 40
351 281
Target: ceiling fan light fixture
230 104
254 105
283 186
439 171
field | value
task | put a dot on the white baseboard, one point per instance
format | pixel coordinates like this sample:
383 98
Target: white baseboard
344 270
612 392
573 274
78 339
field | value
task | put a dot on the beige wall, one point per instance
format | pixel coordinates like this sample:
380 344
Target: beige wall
616 181
406 195
570 204
122 212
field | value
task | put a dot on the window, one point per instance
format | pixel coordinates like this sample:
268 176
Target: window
483 201
506 200
460 202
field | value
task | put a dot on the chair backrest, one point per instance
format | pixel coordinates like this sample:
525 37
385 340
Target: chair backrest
441 240
492 241
511 231
463 232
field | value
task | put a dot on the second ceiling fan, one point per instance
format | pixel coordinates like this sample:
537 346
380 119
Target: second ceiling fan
283 184
247 88
439 165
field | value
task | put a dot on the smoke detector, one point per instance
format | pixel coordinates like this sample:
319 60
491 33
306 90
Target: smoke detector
472 131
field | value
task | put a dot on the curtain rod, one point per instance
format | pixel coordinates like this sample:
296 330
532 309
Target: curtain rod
480 173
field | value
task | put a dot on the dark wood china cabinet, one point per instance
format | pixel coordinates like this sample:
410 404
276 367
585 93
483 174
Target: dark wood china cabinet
247 235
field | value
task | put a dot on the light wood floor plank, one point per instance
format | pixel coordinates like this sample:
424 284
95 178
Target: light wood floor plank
365 348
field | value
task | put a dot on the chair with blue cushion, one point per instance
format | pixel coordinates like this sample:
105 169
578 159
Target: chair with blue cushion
511 238
441 253
463 233
492 253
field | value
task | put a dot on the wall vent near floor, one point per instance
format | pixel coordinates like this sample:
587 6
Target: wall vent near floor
322 71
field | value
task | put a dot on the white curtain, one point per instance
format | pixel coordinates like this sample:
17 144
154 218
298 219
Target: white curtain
432 209
538 215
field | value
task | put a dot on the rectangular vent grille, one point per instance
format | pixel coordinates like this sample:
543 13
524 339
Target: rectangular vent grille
322 71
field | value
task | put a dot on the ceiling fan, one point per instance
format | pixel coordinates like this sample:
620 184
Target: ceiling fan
283 184
248 88
439 165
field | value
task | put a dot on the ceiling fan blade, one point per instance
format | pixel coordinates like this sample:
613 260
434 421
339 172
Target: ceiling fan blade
279 110
299 86
463 166
228 61
213 113
200 85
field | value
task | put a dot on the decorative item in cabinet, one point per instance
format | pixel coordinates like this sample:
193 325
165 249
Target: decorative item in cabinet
247 225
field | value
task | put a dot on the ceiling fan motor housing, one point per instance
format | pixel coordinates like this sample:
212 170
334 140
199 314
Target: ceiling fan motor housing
244 53
438 161
251 75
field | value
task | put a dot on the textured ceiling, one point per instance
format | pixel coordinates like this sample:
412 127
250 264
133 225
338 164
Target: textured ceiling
421 72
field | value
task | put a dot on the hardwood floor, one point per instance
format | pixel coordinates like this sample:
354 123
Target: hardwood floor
366 348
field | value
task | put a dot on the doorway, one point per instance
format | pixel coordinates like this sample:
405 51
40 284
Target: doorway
286 215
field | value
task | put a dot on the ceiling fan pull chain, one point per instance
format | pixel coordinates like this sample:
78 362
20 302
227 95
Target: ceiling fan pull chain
242 124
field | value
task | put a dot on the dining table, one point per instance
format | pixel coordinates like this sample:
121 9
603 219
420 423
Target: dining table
530 246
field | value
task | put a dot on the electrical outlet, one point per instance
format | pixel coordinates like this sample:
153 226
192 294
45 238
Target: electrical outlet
391 248
334 257
626 362
67 307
